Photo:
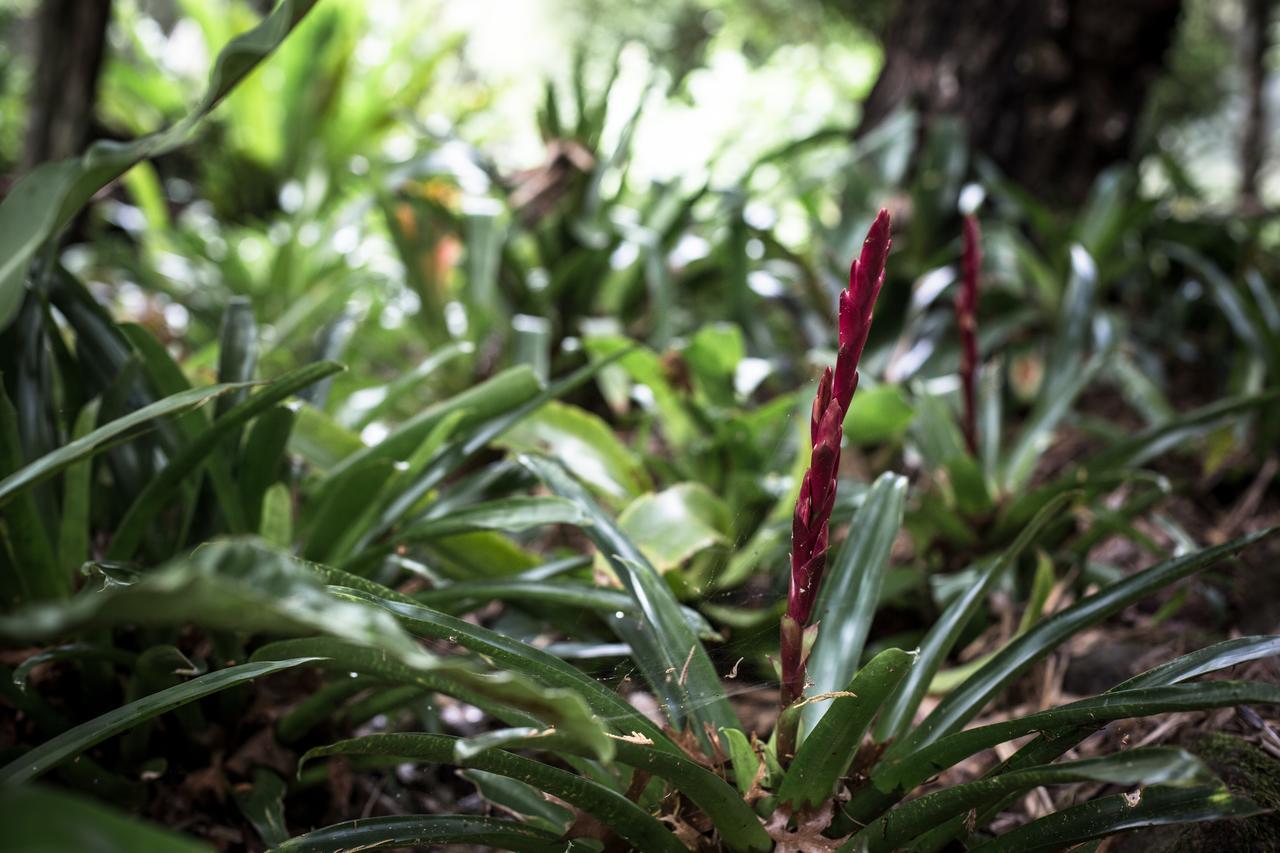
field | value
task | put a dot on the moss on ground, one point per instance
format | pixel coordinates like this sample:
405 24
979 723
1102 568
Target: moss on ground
1247 771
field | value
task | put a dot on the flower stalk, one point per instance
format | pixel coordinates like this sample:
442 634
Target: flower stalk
967 322
810 528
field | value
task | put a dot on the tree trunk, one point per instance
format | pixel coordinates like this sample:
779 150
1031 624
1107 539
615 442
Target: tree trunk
70 37
1051 90
1253 151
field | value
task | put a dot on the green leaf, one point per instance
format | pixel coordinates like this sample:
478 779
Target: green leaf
504 651
359 409
510 515
321 441
237 350
117 430
851 592
1108 815
1156 440
73 526
31 571
878 415
262 459
158 490
348 502
1147 766
613 809
76 740
276 525
491 398
903 774
942 637
522 799
609 601
645 368
373 833
673 525
263 805
960 706
37 819
829 750
713 355
48 197
746 764
587 446
667 651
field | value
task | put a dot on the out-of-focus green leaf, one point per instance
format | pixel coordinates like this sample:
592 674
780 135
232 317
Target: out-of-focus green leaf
49 196
878 415
585 444
31 565
511 515
44 820
485 401
76 740
130 531
263 804
52 463
675 524
73 526
276 526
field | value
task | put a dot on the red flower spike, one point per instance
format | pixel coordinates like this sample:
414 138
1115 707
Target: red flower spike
810 526
967 321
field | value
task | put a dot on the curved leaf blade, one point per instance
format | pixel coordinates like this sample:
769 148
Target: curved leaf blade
76 740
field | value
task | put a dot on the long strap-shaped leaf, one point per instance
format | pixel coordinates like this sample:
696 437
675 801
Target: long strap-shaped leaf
937 644
732 816
825 756
1109 815
521 657
913 769
38 818
552 592
78 739
48 197
965 702
454 455
158 491
613 809
1149 766
851 592
52 463
397 831
1048 746
669 653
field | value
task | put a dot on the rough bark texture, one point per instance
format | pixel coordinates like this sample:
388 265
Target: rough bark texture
70 36
1253 138
1051 90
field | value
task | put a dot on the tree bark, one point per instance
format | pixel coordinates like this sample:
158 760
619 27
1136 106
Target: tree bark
1257 17
1050 90
70 39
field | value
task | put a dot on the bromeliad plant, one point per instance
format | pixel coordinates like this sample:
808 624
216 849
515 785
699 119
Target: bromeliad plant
810 530
570 757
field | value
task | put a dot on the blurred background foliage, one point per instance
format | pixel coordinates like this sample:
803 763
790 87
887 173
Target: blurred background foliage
464 202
